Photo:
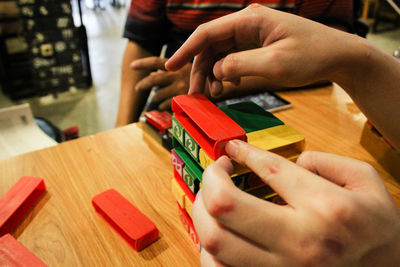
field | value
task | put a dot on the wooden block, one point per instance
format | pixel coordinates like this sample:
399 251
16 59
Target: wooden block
178 192
160 120
178 131
135 227
16 203
14 254
250 116
189 180
177 162
381 150
282 140
163 139
184 187
193 166
188 206
263 192
191 146
188 224
206 123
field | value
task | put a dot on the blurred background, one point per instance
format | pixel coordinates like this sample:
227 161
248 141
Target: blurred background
47 62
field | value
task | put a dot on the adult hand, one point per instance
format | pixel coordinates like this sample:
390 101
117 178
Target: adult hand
338 213
258 41
172 83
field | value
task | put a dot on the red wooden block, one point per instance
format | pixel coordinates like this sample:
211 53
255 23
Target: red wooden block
209 126
13 253
189 227
16 203
138 230
161 120
184 186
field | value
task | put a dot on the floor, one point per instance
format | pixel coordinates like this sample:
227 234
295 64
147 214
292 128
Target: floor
95 110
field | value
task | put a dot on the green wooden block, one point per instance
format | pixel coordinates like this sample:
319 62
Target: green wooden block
250 116
189 179
194 168
178 130
191 146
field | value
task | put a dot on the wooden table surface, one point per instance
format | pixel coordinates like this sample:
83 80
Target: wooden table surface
64 230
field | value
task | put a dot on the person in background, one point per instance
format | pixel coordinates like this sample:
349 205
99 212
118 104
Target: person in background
151 24
338 212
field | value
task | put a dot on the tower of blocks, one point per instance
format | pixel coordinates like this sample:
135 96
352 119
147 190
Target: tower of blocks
200 131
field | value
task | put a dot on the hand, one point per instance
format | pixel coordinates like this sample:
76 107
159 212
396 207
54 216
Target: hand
258 41
338 213
172 83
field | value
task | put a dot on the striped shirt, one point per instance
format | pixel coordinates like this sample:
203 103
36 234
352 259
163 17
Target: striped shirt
153 23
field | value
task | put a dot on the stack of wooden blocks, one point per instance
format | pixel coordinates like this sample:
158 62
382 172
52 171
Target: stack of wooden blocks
200 132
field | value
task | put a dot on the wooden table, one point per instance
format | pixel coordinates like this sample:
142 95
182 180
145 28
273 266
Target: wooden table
64 230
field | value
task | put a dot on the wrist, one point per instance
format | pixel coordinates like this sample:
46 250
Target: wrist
352 63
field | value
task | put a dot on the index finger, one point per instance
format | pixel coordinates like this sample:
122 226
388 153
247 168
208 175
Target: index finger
204 36
150 63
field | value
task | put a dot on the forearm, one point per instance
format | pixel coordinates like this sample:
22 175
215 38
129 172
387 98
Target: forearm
372 79
131 101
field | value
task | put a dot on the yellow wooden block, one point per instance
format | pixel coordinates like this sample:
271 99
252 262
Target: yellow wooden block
188 206
282 139
263 192
178 193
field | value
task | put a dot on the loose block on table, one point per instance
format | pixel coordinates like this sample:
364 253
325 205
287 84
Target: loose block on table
160 120
13 253
209 126
138 230
16 203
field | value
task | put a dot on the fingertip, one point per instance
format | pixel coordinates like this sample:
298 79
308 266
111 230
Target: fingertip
217 69
169 65
232 148
133 65
225 163
216 88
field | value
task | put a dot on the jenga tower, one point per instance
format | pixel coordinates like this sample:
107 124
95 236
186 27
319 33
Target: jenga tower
200 132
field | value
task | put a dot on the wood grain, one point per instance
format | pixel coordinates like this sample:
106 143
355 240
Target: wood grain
64 230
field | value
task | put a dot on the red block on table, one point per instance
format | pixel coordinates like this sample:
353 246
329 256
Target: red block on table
209 126
13 253
16 203
138 230
161 120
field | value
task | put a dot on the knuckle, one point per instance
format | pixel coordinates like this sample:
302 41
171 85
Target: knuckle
267 167
305 157
212 239
338 210
219 202
368 168
279 69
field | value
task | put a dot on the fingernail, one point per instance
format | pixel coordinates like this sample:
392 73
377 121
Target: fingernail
232 148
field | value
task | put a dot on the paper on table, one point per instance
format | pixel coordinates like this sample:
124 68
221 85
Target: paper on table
19 132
